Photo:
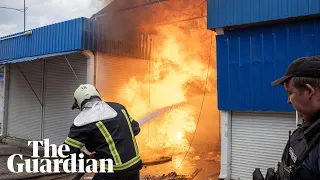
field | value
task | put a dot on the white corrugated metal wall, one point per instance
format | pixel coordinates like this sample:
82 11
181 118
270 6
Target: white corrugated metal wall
258 141
25 111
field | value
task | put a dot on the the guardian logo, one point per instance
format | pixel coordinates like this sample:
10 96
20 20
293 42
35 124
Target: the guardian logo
51 162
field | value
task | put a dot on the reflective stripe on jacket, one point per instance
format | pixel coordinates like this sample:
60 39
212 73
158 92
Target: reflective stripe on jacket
111 138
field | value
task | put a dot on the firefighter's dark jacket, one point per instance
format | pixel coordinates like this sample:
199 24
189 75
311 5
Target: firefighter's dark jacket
112 138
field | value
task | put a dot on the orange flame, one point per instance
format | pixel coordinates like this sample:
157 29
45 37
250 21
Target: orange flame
180 66
179 135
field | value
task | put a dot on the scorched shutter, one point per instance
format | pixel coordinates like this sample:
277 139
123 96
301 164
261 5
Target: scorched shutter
258 141
114 73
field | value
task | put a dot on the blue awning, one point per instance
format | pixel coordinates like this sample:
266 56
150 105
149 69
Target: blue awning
37 57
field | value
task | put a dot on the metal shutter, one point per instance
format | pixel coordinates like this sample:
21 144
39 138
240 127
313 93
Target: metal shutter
114 72
1 104
25 111
258 141
60 86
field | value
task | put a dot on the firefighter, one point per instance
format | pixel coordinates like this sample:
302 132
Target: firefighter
107 129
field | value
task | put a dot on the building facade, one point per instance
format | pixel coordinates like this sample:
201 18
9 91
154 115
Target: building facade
42 68
256 42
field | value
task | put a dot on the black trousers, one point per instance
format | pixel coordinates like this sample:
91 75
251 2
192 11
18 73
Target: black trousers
107 176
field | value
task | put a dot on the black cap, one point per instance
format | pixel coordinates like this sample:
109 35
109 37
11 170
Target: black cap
301 67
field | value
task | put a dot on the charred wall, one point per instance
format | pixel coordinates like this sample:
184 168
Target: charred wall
129 27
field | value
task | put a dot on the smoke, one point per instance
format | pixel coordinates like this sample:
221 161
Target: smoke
178 72
124 18
105 2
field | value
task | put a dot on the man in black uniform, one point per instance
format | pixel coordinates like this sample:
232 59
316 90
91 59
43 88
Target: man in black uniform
301 159
108 130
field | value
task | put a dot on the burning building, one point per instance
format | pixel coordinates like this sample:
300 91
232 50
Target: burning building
158 59
154 56
256 42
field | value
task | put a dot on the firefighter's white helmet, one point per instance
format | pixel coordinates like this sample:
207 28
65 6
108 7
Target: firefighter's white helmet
83 92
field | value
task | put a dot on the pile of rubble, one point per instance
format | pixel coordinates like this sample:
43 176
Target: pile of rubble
170 176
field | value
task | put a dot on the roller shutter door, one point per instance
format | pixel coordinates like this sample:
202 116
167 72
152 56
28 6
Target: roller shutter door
60 86
258 141
1 99
25 111
114 73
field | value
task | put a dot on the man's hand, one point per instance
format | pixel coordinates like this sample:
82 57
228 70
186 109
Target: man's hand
91 154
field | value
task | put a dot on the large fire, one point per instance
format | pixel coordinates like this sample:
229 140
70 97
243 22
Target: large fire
158 62
179 68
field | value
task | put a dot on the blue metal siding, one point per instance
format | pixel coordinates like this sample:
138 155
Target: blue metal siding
60 37
222 13
249 60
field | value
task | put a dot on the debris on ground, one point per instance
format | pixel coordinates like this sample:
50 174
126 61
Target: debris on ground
214 176
170 176
156 161
195 173
196 158
212 157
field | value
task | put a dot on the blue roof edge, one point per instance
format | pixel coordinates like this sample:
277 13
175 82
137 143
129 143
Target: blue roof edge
53 38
